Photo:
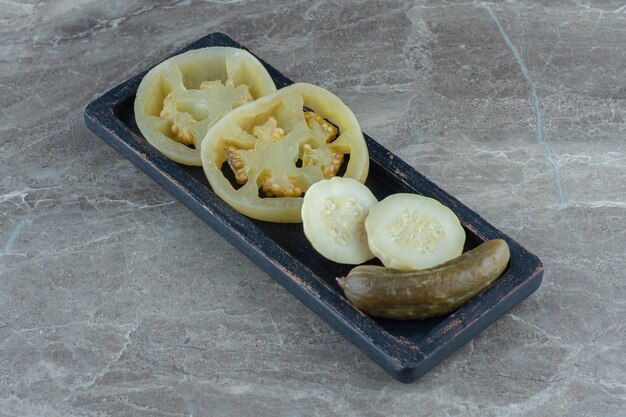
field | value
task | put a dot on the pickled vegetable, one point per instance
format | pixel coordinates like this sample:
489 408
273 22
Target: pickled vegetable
406 295
181 98
278 146
410 231
333 216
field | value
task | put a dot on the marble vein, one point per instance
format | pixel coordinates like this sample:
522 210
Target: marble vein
563 202
8 246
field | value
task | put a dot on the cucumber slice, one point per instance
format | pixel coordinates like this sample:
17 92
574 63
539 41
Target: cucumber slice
410 231
333 216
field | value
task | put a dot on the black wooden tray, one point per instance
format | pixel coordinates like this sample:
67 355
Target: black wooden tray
405 349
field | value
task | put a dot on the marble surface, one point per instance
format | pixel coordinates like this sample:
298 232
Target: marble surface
116 300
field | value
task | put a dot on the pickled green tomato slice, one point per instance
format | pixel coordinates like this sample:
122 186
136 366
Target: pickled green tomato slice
410 231
181 98
333 216
280 145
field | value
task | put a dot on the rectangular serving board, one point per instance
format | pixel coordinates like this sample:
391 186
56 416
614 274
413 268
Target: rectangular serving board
405 349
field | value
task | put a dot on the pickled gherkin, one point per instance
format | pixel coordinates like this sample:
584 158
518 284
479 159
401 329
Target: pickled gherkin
408 295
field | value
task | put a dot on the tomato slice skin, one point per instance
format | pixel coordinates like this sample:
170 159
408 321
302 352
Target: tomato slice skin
179 100
276 144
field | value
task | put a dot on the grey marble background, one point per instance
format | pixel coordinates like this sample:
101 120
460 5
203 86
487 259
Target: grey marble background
116 300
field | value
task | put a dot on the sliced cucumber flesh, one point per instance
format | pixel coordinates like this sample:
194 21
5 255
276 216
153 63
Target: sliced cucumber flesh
333 217
410 231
